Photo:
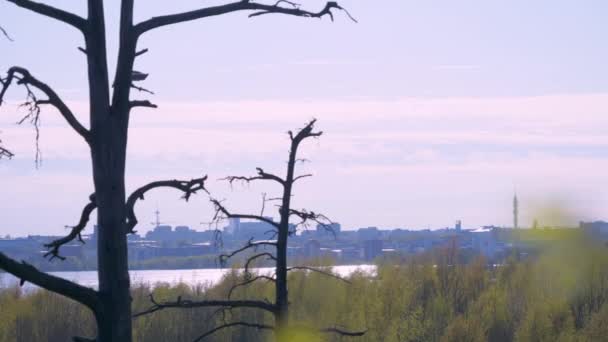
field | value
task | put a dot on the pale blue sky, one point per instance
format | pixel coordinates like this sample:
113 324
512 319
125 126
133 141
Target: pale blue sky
433 111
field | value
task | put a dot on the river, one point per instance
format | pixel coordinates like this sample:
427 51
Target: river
172 277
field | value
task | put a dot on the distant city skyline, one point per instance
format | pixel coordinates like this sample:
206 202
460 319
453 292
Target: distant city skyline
431 114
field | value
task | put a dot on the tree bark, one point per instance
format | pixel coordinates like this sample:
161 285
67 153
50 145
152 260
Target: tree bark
109 128
114 318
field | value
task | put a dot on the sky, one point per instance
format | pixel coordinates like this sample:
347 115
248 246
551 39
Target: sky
432 112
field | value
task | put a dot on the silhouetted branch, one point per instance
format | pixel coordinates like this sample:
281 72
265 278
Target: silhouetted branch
52 12
189 304
343 332
262 175
234 324
250 244
302 176
249 281
255 257
243 5
141 52
23 77
313 269
142 89
75 232
187 187
306 132
221 210
28 273
5 153
306 216
5 34
142 103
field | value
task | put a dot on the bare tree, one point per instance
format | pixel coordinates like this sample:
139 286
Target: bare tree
110 106
278 244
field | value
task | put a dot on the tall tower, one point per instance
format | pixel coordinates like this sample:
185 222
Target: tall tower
157 214
515 211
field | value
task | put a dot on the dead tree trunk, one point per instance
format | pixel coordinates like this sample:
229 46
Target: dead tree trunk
285 211
110 108
282 230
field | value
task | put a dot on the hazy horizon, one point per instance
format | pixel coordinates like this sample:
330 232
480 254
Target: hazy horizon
431 114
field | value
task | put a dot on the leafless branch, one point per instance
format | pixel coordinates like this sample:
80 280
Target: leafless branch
53 12
141 52
75 232
313 269
262 175
243 5
189 304
142 89
302 176
5 153
306 216
221 210
234 324
187 187
23 77
248 281
250 245
142 103
255 257
28 273
5 34
306 132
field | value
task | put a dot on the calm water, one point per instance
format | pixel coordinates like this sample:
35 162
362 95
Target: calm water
191 277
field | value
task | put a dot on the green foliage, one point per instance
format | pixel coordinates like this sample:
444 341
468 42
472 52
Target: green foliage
559 296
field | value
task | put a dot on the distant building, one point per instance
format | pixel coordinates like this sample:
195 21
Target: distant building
312 249
233 226
370 233
160 233
371 249
245 230
484 241
458 226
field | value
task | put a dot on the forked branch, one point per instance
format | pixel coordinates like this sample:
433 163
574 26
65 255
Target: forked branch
280 7
250 245
249 280
187 187
4 153
222 213
23 77
306 217
262 175
189 304
304 133
75 232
